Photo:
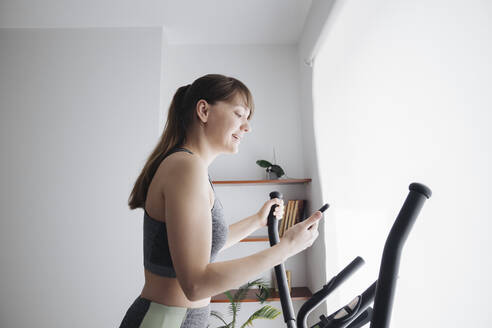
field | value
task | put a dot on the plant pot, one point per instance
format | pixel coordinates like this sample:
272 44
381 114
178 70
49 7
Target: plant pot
270 176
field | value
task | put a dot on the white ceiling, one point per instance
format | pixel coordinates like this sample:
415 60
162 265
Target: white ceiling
185 21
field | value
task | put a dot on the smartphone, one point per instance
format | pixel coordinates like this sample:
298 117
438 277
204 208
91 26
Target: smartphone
322 209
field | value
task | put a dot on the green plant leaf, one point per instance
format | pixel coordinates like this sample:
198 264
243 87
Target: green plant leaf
220 316
263 163
266 312
264 289
232 303
264 294
278 170
235 302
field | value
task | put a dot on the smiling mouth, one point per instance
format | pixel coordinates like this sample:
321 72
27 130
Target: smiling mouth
236 137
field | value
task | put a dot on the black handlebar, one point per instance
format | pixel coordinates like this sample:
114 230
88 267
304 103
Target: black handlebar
390 263
327 289
283 289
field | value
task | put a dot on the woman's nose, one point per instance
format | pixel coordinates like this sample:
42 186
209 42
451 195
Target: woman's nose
247 127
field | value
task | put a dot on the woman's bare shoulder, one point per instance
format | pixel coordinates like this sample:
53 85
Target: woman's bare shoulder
179 160
179 163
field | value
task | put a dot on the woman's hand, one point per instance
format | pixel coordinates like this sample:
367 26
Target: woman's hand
265 210
301 235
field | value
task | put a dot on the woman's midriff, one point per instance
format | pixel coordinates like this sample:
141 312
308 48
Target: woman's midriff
168 291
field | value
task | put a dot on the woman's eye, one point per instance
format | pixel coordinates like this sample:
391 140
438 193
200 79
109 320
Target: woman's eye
239 115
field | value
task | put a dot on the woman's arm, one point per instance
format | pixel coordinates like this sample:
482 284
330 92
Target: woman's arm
189 232
219 277
241 229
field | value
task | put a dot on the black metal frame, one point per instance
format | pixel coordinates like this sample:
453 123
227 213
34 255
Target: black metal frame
358 312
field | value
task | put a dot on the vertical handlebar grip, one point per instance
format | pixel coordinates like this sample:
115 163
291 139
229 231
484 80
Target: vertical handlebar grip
273 221
390 261
283 289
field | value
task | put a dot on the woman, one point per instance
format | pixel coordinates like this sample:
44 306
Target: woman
184 228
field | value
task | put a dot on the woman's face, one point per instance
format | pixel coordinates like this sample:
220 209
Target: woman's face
228 123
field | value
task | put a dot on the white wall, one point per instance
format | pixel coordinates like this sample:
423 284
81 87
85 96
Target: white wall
78 118
403 93
271 74
321 257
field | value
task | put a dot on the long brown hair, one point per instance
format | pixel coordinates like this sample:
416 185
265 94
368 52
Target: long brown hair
210 87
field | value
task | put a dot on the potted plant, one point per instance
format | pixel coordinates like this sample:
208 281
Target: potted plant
273 171
266 312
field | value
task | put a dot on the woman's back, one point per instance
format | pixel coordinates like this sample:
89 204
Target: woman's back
162 289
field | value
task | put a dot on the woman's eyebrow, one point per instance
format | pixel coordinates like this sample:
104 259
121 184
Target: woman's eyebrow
243 108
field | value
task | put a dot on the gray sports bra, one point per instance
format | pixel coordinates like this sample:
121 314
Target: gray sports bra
157 258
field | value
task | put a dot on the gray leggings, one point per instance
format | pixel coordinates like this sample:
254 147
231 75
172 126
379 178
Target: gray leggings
144 313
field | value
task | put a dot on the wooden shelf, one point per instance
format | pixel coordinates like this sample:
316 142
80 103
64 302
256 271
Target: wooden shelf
276 181
297 293
254 239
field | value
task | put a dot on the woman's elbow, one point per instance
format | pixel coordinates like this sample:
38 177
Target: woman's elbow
192 295
191 290
196 291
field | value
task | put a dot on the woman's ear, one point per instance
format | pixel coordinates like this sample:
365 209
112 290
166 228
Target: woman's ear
202 110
